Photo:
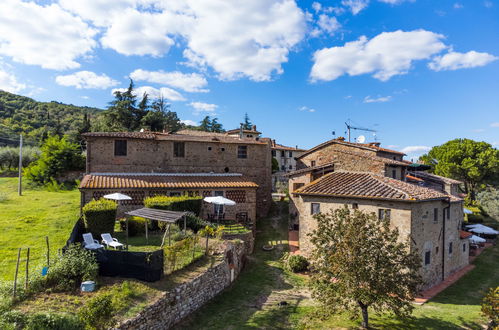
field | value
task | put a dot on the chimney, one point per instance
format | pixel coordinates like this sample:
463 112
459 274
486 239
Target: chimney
375 144
340 138
273 143
253 128
241 134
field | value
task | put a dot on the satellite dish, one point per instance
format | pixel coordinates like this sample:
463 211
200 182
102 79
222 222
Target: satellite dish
361 139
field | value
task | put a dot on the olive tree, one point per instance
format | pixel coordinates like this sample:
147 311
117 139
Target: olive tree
359 263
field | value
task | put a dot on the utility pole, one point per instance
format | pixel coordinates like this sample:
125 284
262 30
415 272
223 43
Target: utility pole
20 189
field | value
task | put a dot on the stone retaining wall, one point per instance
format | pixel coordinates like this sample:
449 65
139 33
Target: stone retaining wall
188 297
247 238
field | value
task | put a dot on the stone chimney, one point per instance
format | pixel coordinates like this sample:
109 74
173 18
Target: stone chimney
273 143
241 133
374 144
340 138
253 128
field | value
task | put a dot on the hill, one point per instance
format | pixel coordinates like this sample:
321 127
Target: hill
36 120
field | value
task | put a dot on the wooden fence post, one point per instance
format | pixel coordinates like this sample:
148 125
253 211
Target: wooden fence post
27 271
17 270
48 251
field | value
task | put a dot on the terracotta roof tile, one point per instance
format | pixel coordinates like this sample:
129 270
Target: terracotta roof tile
144 181
278 146
413 178
309 169
367 185
464 234
351 144
434 177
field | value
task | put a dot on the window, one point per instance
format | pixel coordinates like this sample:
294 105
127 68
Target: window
283 153
312 163
435 215
464 247
273 153
283 167
297 185
290 154
315 208
223 149
355 206
179 149
120 147
394 174
290 167
436 250
384 214
448 212
427 257
209 148
450 248
242 152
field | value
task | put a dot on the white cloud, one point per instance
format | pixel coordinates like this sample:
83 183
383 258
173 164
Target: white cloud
355 6
189 122
478 130
47 36
457 5
203 107
316 6
386 55
9 83
99 12
488 4
154 93
379 99
496 124
454 60
327 24
307 109
86 80
395 2
415 150
189 82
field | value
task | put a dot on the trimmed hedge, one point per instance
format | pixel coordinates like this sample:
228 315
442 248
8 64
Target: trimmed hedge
136 226
177 203
99 216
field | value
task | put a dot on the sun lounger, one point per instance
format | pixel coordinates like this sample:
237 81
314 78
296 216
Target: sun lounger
90 243
110 241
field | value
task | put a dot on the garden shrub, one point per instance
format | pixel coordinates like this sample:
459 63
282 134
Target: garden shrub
475 218
194 223
52 321
70 269
490 307
58 156
136 226
99 216
297 263
97 313
174 203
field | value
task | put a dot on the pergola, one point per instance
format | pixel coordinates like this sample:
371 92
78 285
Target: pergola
158 215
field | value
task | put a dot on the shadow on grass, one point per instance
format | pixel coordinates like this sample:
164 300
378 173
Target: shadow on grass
421 322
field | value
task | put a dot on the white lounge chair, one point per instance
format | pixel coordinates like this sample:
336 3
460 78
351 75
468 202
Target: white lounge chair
90 243
110 241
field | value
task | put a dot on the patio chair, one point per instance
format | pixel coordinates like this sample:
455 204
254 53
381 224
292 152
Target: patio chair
109 241
90 243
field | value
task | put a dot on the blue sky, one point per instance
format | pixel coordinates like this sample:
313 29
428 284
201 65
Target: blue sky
419 72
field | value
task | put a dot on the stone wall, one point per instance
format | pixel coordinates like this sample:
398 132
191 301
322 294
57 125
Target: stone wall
248 239
188 297
147 156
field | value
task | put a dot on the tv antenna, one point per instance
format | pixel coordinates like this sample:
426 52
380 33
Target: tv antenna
350 127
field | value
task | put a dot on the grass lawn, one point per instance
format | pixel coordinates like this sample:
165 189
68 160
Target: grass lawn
252 302
26 220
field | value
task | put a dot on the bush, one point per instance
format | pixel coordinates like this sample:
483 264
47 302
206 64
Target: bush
99 216
194 223
490 307
136 226
50 321
175 203
9 157
70 269
58 156
97 312
475 218
297 263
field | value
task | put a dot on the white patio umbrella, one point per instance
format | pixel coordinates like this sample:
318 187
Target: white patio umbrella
476 239
471 226
219 200
481 229
118 197
466 211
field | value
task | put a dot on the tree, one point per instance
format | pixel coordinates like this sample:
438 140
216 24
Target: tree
474 163
161 118
490 307
210 125
122 111
275 165
247 122
358 263
58 155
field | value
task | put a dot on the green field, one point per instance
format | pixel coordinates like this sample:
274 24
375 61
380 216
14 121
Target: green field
26 220
252 302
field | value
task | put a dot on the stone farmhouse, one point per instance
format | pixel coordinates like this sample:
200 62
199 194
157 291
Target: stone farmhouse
286 160
427 212
142 164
